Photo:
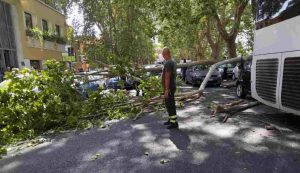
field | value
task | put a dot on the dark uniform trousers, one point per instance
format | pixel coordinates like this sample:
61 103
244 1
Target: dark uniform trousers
171 107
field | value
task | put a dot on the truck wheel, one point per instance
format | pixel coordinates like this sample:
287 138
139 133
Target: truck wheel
241 91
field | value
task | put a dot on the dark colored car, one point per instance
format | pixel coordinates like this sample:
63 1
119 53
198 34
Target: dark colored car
154 73
88 82
196 74
121 83
229 68
243 85
85 88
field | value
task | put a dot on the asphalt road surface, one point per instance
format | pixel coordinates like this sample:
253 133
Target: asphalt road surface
201 144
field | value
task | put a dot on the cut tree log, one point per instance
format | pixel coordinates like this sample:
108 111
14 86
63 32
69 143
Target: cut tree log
224 108
239 108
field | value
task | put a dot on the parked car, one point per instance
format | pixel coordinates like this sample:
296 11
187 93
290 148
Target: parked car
179 73
236 72
115 83
196 74
86 82
229 67
154 73
85 88
243 85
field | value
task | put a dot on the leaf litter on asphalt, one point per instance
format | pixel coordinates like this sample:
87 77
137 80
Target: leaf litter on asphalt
164 161
96 156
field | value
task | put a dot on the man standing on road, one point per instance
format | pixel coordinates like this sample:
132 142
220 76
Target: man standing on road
169 87
183 70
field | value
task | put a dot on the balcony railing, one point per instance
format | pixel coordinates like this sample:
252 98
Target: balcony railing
46 36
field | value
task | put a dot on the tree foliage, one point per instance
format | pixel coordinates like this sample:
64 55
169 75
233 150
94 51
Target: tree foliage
195 29
33 102
199 29
126 28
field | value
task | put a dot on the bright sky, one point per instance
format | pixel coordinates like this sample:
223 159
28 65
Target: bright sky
76 20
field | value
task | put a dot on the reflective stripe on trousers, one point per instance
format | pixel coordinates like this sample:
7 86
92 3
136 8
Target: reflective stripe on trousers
171 107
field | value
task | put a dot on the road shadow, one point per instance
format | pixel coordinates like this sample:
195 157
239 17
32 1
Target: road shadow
180 139
201 144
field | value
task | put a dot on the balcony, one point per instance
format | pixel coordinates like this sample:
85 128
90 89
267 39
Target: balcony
49 41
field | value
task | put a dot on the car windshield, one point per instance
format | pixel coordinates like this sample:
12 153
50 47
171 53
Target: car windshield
201 67
227 65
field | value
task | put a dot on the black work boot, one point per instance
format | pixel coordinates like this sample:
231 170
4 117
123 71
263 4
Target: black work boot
167 123
173 126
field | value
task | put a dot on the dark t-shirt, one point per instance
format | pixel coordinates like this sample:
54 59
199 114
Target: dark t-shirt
170 66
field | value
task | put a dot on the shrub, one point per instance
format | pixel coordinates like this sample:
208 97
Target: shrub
151 87
34 102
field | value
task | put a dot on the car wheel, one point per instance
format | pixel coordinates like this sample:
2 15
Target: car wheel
218 85
241 91
194 84
186 81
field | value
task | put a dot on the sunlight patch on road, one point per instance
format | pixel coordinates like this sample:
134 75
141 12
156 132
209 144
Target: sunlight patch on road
10 166
53 146
199 157
147 137
254 136
219 130
158 146
192 109
113 143
139 126
292 144
254 148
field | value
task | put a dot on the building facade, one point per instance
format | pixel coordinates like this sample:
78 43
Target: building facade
19 45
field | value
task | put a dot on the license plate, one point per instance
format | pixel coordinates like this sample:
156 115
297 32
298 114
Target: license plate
211 79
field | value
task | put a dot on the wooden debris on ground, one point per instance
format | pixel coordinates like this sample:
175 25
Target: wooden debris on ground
164 161
36 142
232 108
225 108
182 97
270 127
239 108
96 156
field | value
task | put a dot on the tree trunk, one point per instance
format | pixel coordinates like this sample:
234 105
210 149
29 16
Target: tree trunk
231 46
230 37
253 7
215 52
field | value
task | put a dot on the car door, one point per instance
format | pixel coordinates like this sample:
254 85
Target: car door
189 72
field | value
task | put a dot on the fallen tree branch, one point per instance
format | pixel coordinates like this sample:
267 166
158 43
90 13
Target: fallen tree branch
233 110
158 67
188 96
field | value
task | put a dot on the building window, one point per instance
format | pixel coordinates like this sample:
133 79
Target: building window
45 25
28 20
71 51
35 64
57 29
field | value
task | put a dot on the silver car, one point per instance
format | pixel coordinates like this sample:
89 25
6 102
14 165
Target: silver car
196 74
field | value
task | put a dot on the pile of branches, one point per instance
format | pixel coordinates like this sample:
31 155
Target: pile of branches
143 105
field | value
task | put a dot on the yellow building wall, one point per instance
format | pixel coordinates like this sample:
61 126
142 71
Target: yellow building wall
38 11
